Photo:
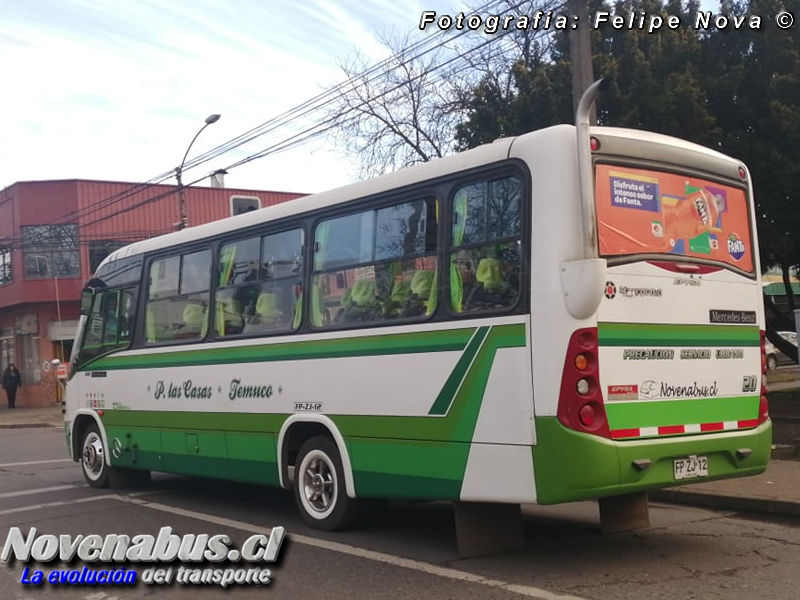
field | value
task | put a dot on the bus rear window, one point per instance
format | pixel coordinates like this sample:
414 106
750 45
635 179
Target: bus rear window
640 211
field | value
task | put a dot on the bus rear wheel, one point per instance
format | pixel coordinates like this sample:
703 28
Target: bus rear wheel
319 488
93 458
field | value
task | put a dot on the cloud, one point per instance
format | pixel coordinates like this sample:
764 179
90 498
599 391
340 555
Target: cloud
116 89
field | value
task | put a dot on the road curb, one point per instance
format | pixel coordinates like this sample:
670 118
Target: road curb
28 425
770 506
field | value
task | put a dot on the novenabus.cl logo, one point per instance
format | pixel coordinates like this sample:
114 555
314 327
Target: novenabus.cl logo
611 290
166 547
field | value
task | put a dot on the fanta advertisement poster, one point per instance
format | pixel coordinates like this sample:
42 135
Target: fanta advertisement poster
640 211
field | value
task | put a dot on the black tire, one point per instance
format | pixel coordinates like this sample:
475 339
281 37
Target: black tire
93 458
319 487
772 362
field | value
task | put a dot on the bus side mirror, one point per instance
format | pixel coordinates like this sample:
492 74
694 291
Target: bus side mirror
86 301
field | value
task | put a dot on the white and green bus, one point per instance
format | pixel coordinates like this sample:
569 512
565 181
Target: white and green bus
574 313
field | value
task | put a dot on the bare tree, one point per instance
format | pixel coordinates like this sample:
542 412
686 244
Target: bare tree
400 114
407 109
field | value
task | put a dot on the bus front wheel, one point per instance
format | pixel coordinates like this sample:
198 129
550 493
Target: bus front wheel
319 488
93 458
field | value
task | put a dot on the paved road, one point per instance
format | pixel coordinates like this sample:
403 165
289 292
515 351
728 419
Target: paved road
686 553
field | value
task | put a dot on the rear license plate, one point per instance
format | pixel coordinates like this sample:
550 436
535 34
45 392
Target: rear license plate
690 467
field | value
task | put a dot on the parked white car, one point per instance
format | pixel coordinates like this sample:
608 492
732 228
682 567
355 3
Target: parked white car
774 356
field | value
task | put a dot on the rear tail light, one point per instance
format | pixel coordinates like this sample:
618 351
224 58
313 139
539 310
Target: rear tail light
763 403
580 401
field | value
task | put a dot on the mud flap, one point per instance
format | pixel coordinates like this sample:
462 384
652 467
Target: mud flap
625 512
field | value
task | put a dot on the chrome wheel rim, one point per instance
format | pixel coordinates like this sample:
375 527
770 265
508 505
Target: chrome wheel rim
319 488
93 456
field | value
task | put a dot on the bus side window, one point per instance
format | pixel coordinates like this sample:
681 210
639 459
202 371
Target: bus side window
262 299
127 310
94 327
110 321
178 297
485 265
376 265
111 312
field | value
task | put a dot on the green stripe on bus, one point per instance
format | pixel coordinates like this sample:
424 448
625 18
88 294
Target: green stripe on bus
374 345
445 398
655 413
459 421
420 472
194 420
398 460
635 334
426 469
458 392
205 450
470 395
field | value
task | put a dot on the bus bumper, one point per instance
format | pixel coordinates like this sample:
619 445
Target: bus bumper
573 466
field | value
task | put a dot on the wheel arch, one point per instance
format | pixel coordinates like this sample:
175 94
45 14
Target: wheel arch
298 429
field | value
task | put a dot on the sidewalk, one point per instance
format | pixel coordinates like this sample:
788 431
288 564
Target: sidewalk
23 416
776 491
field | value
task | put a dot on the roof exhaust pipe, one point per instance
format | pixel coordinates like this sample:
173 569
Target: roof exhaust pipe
583 281
585 171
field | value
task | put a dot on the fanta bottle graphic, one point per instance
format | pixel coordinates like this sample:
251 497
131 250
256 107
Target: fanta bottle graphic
689 218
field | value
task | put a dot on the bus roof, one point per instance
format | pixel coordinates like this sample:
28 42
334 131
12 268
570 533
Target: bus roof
482 155
475 157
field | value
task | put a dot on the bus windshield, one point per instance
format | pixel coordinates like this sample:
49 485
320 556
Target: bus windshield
644 211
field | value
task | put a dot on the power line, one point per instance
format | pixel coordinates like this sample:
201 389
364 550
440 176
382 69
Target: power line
291 116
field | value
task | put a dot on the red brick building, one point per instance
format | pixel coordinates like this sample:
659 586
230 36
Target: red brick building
53 234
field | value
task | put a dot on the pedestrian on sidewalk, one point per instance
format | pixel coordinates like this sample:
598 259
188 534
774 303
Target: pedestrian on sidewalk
11 381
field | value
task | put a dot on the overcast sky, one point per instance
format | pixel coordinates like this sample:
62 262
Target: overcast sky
116 89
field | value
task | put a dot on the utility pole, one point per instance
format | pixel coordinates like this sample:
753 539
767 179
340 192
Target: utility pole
580 54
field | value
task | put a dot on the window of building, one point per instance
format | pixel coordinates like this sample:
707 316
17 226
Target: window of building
486 255
50 251
8 352
29 365
5 265
178 297
375 265
260 286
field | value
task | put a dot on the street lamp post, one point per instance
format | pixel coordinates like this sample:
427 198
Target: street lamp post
179 172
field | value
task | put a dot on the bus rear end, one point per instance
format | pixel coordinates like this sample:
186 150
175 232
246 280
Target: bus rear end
669 386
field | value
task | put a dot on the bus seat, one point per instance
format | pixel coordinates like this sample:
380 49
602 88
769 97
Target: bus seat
489 274
194 321
361 303
317 308
398 296
268 308
150 325
421 295
363 292
456 288
421 284
229 317
297 308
